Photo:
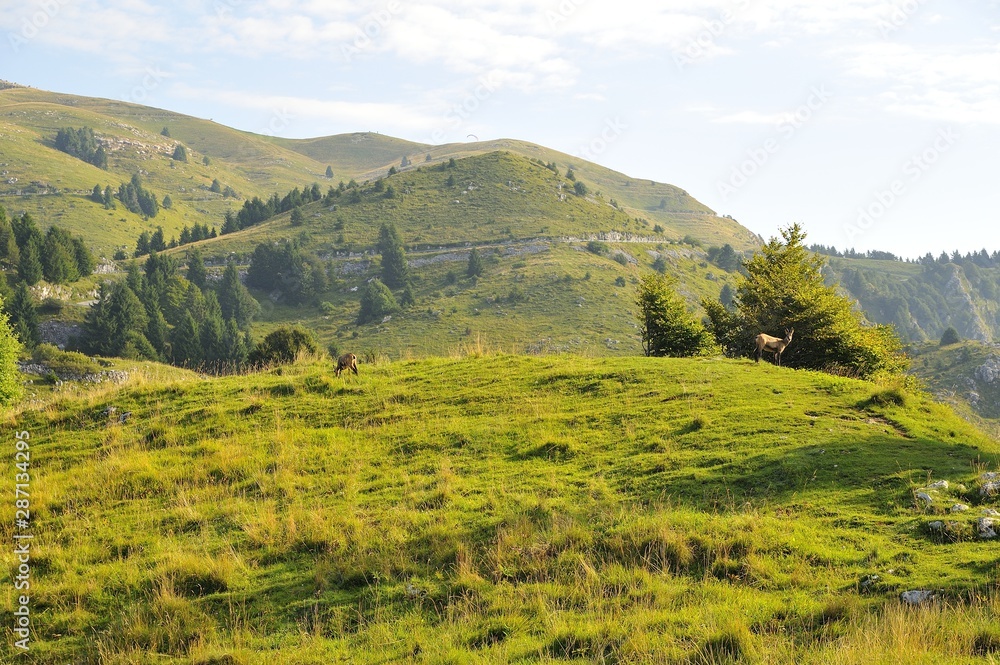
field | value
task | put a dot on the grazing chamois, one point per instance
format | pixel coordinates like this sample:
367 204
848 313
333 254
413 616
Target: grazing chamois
775 345
347 361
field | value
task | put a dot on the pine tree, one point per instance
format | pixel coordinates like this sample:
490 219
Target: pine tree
784 288
24 317
475 266
196 272
29 268
377 301
329 171
665 325
186 342
59 257
395 271
234 298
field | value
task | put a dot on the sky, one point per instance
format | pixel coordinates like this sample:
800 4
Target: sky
874 124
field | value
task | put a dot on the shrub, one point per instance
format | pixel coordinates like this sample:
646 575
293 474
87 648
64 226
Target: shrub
665 325
377 302
949 337
283 346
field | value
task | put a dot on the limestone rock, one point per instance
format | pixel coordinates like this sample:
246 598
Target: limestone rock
986 527
917 596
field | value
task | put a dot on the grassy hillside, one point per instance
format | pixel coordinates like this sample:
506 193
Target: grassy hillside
541 289
505 509
53 186
671 207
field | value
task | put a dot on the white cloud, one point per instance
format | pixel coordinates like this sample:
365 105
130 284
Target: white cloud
283 111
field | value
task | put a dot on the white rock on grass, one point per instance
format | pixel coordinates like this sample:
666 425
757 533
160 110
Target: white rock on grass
936 525
991 512
925 497
939 485
959 508
991 488
986 527
916 596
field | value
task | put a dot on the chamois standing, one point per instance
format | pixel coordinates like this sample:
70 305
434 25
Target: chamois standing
775 345
347 361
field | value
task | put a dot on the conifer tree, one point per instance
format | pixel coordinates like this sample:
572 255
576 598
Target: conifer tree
234 298
29 267
395 271
24 317
196 273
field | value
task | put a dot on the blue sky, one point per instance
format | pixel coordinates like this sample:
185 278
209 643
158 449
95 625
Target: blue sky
874 124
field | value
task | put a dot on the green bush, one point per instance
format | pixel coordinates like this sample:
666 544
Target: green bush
665 325
283 346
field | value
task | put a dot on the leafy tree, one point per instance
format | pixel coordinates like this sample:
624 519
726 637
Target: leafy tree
283 346
165 132
206 161
395 271
660 265
377 302
216 186
297 218
24 317
10 349
97 196
180 153
142 246
392 170
725 257
329 172
168 202
665 325
475 265
949 337
570 175
580 189
784 288
29 268
196 272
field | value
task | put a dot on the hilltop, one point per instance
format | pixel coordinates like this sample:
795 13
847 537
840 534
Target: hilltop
53 186
504 508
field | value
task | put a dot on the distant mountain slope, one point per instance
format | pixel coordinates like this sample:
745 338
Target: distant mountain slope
253 165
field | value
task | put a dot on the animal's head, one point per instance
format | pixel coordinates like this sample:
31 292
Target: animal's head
788 334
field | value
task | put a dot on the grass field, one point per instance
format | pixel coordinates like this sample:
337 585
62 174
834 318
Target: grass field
498 508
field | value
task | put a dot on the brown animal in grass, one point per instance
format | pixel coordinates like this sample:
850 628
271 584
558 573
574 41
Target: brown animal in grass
347 361
775 345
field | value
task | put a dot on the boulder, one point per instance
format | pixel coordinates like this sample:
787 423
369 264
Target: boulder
917 596
925 497
986 527
939 485
959 508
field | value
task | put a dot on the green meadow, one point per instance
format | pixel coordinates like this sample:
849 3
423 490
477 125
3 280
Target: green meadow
494 508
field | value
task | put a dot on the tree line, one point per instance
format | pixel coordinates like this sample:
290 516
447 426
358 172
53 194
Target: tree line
82 144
